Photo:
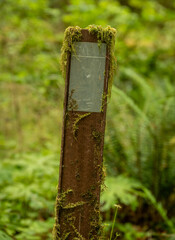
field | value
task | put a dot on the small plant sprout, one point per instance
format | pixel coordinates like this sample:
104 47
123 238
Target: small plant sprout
117 206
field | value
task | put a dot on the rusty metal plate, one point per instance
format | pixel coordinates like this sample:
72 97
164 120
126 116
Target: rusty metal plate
86 81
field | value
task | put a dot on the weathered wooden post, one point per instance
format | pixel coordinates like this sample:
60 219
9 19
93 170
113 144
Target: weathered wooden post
88 64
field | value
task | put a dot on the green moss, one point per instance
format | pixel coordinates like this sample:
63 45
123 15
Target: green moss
69 219
106 35
56 231
73 106
97 136
66 235
74 205
89 196
71 35
60 200
80 237
104 101
102 175
95 219
76 122
96 227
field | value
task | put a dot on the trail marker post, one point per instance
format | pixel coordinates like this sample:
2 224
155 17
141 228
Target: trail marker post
88 68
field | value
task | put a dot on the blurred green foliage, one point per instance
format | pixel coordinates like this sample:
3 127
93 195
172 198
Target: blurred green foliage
139 149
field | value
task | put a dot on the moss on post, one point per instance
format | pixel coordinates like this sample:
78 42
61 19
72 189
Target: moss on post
76 122
104 35
71 35
90 197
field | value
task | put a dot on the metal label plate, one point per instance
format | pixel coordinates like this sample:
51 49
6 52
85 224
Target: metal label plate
86 83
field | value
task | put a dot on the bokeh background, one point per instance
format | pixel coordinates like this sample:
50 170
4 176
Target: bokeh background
139 153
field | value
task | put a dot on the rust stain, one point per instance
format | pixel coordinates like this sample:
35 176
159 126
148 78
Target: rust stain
81 165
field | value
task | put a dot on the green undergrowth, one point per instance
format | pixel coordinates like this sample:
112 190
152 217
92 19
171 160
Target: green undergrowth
31 198
130 193
143 98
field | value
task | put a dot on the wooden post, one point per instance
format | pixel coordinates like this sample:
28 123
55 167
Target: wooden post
81 167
